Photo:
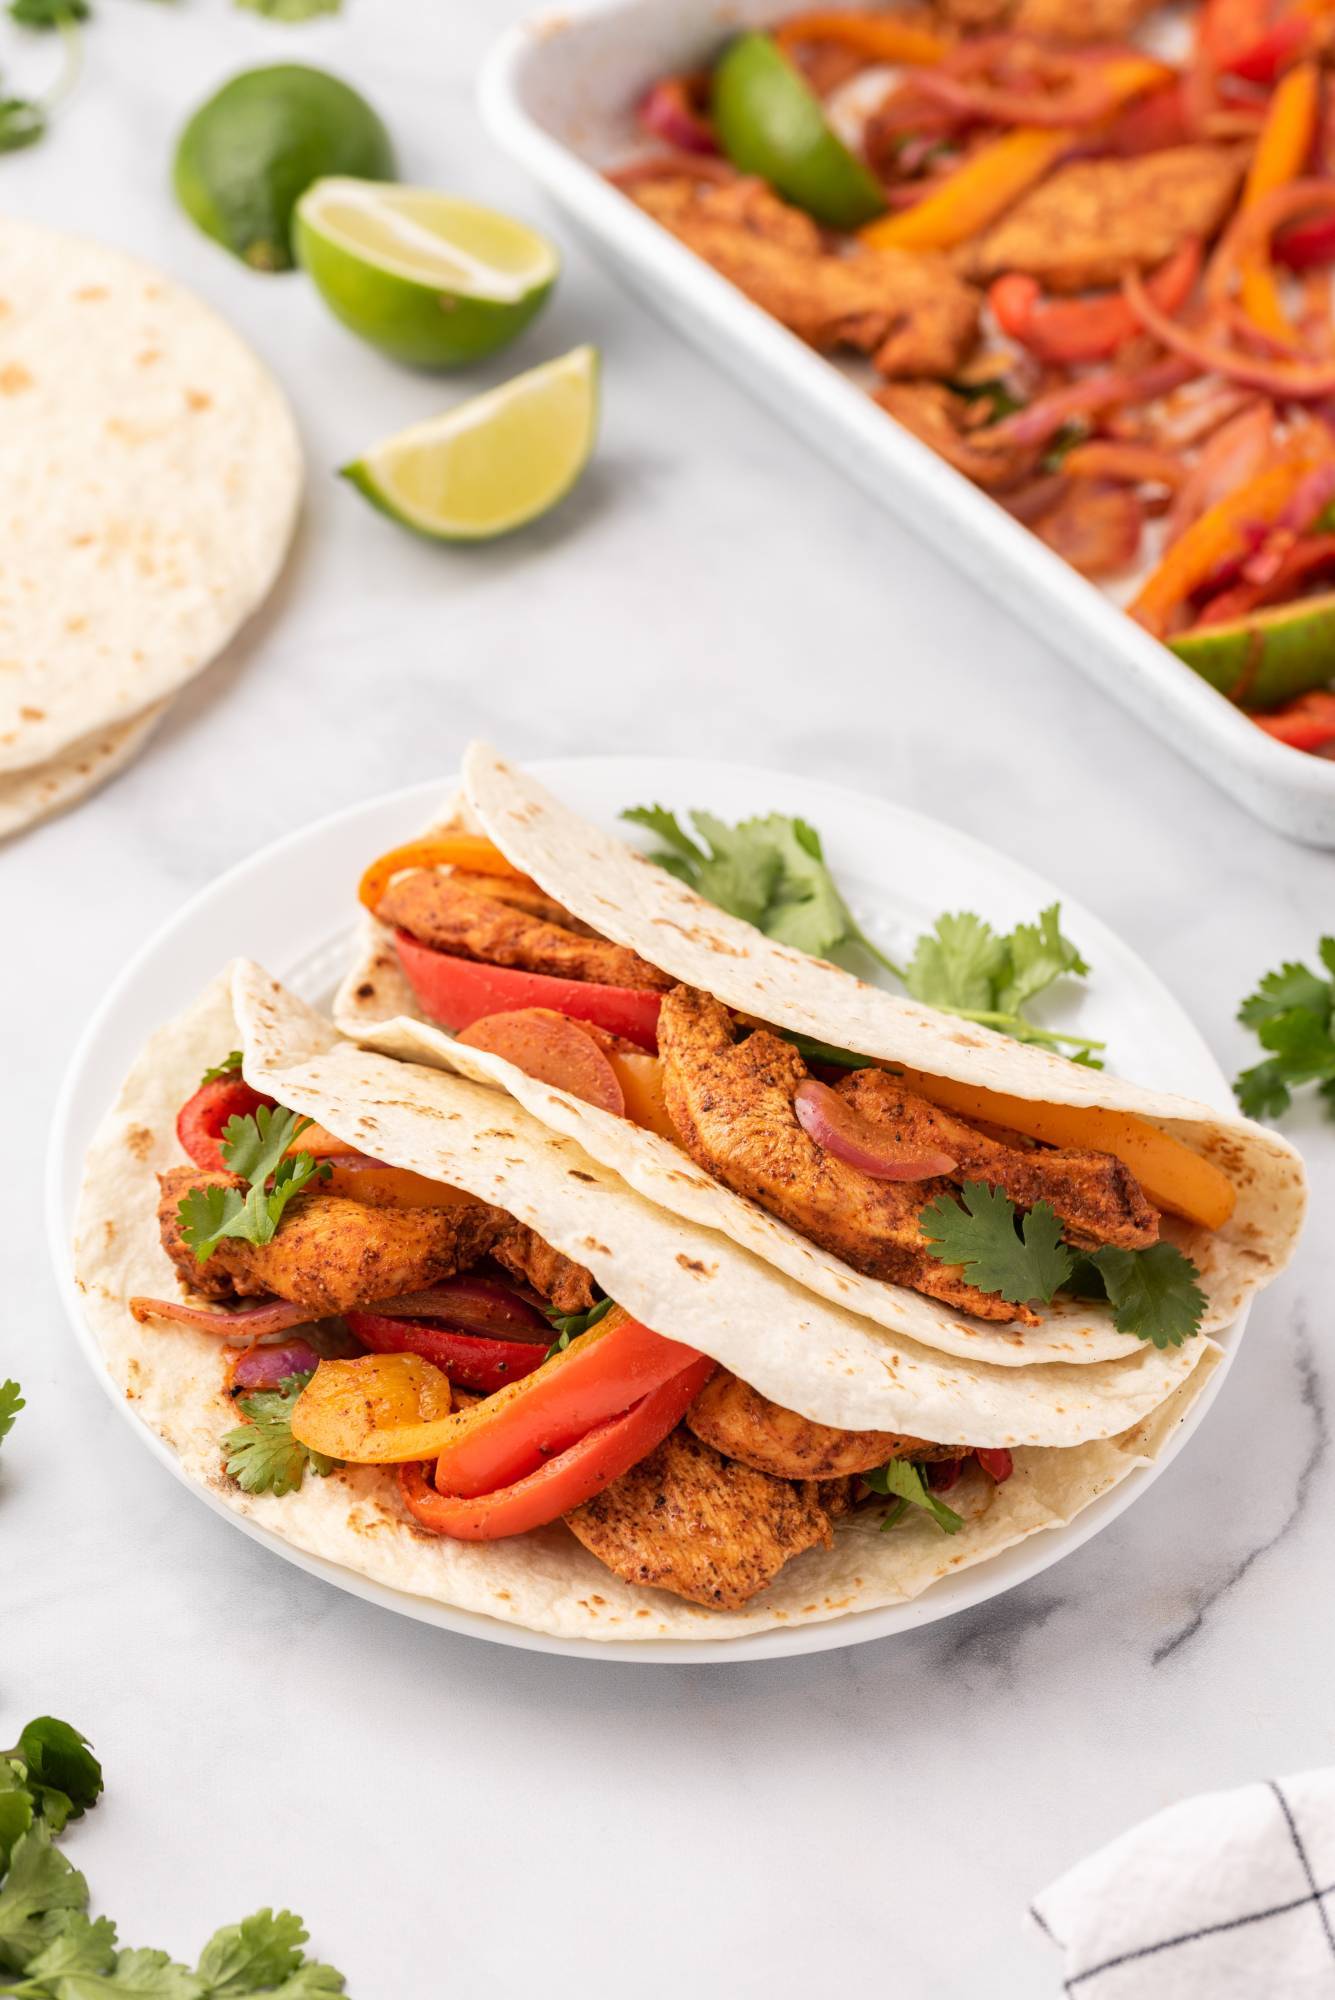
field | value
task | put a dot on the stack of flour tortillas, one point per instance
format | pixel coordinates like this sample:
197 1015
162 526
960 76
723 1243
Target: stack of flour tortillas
150 475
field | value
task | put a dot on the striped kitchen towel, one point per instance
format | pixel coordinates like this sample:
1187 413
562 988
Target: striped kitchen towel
1230 1896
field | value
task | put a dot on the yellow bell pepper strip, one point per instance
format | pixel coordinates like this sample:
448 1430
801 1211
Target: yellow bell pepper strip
1224 533
469 851
973 196
1281 154
1172 1175
883 38
381 1409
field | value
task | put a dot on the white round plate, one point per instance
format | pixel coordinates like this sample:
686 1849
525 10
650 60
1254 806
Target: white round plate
292 907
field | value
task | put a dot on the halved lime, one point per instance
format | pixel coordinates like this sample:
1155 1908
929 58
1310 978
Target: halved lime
254 146
425 277
769 123
493 463
1269 656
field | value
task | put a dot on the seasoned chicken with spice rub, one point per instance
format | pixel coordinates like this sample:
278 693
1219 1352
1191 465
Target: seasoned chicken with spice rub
1094 220
741 1423
686 1519
912 313
732 1103
334 1255
496 929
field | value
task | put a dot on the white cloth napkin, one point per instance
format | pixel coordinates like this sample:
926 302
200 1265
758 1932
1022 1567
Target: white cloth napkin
1230 1896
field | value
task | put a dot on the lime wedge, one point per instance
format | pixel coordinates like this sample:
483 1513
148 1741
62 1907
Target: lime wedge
427 278
769 123
1269 656
493 463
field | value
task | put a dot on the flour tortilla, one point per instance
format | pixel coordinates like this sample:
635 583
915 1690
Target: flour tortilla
150 475
546 1582
628 899
44 789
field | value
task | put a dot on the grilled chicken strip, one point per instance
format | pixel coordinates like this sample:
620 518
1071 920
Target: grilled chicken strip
687 1520
732 1103
1097 1198
949 423
910 310
741 1423
1093 220
437 910
333 1255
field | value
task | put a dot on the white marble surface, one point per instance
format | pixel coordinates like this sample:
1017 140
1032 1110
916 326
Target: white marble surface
451 1817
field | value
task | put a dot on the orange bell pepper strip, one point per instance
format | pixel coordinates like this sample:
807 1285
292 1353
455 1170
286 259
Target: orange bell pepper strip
469 851
572 1477
1222 534
885 38
974 195
1281 154
597 1377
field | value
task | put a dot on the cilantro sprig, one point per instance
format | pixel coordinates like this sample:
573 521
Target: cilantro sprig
1292 1013
569 1326
262 1456
1153 1292
903 1482
11 1402
772 872
51 1949
24 120
228 1067
256 1147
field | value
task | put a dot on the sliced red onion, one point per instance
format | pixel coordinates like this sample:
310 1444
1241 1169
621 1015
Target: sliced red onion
838 1129
269 1367
240 1323
471 1305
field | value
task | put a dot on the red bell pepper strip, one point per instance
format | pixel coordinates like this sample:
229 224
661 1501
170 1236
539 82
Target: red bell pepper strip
1226 27
458 991
472 1360
572 1477
202 1119
1307 723
1306 244
1283 43
997 1464
598 1376
1068 330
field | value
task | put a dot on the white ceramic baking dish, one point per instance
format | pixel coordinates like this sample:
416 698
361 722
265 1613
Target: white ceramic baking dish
558 93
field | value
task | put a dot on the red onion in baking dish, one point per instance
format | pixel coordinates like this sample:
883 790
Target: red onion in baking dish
837 1128
269 1367
241 1323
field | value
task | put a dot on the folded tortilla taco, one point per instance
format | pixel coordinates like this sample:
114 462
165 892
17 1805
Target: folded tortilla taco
986 1198
406 1326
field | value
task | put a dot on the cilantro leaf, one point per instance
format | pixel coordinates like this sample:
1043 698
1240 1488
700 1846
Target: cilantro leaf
902 1480
229 1066
1153 1292
16 1809
22 123
958 963
772 872
82 1946
38 1890
256 1147
255 1144
1020 1263
60 1760
825 1052
262 1455
291 10
263 1954
1292 1013
49 13
11 1402
569 1326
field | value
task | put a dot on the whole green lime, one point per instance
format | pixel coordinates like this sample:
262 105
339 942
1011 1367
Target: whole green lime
254 147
